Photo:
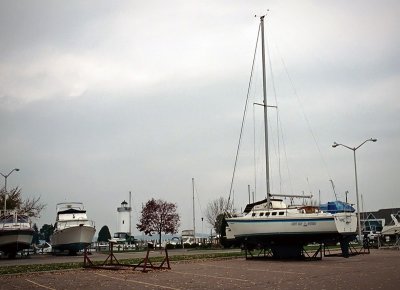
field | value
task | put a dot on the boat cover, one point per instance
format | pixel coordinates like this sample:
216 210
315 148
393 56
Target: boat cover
337 206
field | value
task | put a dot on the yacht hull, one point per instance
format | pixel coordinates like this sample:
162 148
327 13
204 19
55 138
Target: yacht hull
391 230
74 238
15 240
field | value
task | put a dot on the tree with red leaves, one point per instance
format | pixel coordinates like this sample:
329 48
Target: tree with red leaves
159 216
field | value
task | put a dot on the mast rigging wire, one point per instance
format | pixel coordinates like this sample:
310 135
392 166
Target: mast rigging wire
279 128
277 115
243 119
306 118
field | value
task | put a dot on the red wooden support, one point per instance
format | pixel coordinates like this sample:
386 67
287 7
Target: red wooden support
146 264
86 260
112 263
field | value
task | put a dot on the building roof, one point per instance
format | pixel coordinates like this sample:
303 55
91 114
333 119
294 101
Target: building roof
380 214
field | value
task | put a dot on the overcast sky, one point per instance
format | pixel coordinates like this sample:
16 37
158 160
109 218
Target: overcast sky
99 98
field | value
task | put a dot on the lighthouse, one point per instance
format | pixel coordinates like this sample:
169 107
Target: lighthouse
124 217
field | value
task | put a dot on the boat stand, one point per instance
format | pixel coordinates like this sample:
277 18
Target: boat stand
112 263
359 250
352 250
266 253
312 257
397 244
147 265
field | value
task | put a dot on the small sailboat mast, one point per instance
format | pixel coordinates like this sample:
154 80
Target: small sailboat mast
265 112
194 216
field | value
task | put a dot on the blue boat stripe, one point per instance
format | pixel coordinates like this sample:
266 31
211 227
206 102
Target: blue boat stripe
279 220
286 234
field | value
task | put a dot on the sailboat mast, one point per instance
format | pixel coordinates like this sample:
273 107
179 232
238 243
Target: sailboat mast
265 112
194 216
130 213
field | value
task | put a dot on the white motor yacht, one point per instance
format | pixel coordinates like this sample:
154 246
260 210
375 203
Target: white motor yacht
72 230
16 232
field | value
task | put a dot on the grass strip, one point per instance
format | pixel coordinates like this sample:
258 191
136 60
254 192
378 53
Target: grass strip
20 269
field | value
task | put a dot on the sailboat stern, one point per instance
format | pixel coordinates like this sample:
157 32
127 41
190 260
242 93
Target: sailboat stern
346 223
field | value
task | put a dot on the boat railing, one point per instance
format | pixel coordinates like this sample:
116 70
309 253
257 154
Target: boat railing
12 225
74 223
69 205
292 196
11 219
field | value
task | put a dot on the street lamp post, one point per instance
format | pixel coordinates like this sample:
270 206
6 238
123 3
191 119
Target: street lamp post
355 173
5 187
202 228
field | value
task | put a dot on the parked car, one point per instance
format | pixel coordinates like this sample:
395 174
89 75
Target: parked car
44 248
175 241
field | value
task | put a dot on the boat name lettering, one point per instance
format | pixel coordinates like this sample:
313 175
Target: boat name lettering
304 224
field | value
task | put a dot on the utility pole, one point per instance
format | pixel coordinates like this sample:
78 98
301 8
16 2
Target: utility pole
5 187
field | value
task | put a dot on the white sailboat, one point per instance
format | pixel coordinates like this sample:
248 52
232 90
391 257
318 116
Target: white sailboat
272 224
16 232
73 231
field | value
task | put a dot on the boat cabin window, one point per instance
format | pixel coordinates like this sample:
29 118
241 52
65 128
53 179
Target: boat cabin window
120 235
22 219
267 213
274 213
261 214
281 213
7 219
254 214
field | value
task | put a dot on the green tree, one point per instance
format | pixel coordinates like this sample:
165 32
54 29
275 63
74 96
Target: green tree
47 231
159 216
220 224
104 234
36 235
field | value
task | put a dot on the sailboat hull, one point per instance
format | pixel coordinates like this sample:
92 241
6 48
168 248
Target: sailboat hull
290 231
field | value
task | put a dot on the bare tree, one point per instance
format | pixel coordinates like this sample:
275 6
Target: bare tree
159 216
31 206
215 211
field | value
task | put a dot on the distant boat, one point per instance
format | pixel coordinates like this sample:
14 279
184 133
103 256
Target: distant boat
16 233
73 231
271 224
392 229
